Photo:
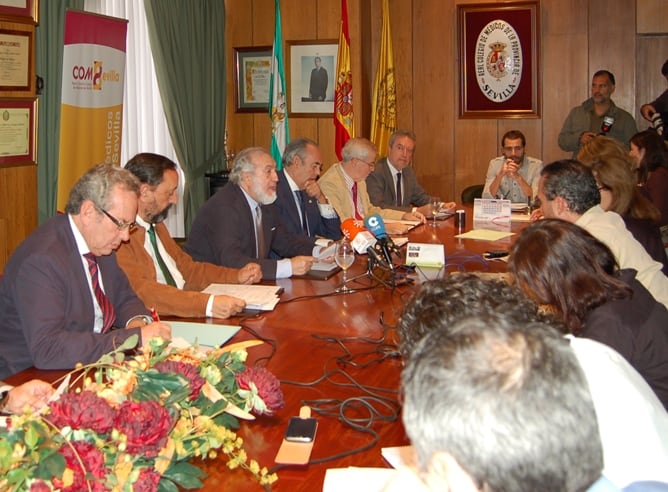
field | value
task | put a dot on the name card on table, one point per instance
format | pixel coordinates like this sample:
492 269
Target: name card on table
491 210
425 255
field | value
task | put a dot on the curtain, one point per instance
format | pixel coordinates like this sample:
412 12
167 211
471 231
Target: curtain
144 123
49 37
188 46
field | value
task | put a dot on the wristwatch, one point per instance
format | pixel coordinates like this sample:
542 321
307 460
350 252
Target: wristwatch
4 396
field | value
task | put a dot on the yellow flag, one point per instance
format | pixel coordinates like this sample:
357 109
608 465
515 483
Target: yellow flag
384 108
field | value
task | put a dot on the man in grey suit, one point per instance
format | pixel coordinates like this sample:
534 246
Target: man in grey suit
393 183
239 223
63 297
303 206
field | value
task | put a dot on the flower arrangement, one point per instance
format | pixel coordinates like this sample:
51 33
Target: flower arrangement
135 423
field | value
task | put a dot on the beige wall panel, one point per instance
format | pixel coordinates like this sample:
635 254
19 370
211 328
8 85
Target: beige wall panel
477 142
651 16
565 70
612 46
652 52
401 22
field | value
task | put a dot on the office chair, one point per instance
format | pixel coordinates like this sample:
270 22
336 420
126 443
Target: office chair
472 192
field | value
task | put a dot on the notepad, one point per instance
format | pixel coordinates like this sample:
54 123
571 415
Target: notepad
208 335
257 297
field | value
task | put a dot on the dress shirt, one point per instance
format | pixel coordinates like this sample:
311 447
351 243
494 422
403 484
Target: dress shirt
509 189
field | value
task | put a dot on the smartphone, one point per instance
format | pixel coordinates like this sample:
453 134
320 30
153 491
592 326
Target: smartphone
301 430
495 253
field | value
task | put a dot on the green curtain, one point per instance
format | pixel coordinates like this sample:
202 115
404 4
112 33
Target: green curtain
188 45
49 37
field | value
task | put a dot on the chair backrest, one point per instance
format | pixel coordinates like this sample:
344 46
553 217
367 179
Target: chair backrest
472 192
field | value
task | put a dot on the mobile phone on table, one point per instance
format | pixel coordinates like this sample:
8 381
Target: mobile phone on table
495 253
301 430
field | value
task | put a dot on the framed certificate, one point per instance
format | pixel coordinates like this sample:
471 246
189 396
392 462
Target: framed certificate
24 9
17 63
252 73
17 131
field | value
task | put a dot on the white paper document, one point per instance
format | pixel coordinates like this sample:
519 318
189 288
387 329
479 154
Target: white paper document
260 297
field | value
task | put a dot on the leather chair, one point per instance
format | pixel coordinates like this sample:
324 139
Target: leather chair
472 192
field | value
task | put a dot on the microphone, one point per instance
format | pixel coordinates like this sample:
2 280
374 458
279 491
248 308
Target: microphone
359 237
375 224
607 124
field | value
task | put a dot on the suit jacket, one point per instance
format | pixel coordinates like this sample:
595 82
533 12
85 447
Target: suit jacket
382 188
333 185
138 265
223 233
46 306
318 225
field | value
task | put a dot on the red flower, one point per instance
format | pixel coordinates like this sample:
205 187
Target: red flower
83 410
94 470
39 487
268 387
147 482
146 425
188 371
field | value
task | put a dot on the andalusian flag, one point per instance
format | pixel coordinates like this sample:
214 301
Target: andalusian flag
278 107
384 108
343 93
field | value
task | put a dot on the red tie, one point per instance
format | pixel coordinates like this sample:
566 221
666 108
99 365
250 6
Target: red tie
358 216
108 313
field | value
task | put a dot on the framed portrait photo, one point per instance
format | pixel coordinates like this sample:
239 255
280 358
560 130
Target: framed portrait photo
499 51
252 74
17 127
311 66
20 8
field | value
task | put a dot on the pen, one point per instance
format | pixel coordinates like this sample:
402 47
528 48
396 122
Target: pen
154 315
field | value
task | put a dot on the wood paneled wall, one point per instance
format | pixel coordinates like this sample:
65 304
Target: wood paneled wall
577 38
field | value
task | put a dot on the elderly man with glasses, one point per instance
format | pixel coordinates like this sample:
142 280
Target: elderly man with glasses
63 297
345 186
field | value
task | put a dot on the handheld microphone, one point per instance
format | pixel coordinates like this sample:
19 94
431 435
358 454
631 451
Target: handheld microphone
359 237
374 223
607 124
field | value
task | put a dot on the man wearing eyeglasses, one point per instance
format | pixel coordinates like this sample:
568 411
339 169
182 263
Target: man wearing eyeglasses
63 297
513 176
303 206
345 186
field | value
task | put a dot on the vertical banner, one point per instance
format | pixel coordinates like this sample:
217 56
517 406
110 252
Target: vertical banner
384 112
278 109
91 114
343 94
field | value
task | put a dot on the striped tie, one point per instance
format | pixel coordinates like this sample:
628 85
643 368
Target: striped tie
108 313
358 215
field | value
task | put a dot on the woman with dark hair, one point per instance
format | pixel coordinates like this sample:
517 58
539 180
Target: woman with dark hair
651 156
562 266
619 193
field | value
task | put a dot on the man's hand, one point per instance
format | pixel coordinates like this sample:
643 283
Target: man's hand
301 264
536 215
250 273
509 168
313 190
417 215
33 394
157 329
647 110
226 306
586 137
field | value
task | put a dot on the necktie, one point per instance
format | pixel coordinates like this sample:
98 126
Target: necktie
358 215
107 308
161 263
302 208
399 197
259 233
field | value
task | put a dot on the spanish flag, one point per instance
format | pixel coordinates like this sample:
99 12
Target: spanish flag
384 107
278 109
343 92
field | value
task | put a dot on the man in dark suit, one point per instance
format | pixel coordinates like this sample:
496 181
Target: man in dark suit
63 295
393 183
317 90
303 206
240 224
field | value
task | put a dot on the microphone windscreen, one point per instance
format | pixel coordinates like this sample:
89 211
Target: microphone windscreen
607 124
375 224
358 236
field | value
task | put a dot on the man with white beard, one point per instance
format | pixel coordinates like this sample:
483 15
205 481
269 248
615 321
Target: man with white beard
240 224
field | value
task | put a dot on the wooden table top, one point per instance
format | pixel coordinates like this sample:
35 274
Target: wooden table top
313 332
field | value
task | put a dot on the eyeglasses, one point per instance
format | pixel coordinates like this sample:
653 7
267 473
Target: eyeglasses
121 225
371 164
511 149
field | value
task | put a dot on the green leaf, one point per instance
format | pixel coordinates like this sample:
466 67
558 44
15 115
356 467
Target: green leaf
129 343
185 475
166 485
51 465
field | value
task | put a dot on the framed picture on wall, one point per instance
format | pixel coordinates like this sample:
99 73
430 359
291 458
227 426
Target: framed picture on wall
17 66
499 49
20 8
17 127
310 68
252 74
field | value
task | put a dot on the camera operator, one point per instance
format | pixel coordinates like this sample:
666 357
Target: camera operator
656 111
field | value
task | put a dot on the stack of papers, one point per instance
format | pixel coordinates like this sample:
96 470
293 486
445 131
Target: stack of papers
258 297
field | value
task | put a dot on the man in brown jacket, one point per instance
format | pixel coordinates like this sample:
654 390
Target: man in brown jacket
161 273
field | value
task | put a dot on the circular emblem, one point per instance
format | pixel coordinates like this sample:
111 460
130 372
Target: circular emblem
498 61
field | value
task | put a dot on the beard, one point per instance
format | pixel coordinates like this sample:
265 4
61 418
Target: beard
160 216
262 197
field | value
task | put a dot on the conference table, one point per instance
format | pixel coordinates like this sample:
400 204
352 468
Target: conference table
337 351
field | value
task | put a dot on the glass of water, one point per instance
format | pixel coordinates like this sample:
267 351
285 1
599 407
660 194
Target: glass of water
344 256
